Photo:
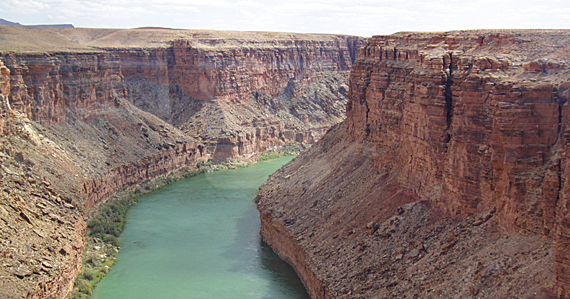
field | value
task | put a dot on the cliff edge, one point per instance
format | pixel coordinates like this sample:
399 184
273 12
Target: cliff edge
237 92
448 177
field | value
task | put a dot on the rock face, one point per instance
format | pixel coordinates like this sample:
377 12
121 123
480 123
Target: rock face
44 86
78 152
86 113
241 94
471 126
236 92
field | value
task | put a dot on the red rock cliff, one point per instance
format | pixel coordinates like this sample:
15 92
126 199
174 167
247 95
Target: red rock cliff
69 140
470 123
254 89
86 113
44 85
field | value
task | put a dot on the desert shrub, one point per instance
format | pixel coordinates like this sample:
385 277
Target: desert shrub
89 260
109 239
89 274
84 286
109 222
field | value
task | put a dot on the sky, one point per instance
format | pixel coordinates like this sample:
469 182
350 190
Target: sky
353 17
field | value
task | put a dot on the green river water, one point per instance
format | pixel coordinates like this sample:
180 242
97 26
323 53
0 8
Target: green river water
199 238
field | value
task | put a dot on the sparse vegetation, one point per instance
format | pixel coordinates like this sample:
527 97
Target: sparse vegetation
108 224
278 152
102 242
98 258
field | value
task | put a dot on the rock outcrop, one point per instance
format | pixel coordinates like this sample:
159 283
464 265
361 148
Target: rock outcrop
448 177
54 173
86 113
241 93
237 92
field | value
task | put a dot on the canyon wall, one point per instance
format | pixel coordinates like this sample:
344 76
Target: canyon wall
87 113
44 85
242 94
463 133
237 92
69 141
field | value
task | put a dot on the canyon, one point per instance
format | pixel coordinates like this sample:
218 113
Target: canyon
89 112
438 169
448 178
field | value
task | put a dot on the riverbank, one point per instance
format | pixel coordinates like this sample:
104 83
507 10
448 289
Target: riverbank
106 224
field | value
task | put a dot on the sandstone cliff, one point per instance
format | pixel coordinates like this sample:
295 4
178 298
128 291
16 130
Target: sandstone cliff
238 92
86 113
85 144
447 178
241 93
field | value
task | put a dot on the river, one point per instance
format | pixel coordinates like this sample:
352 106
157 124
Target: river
199 238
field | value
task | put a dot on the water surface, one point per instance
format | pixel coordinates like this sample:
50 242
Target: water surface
199 238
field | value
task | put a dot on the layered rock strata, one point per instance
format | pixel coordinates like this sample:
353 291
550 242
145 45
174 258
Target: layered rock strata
237 92
81 149
86 113
241 94
458 133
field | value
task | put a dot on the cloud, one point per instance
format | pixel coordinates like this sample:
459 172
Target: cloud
59 18
28 7
361 17
250 4
175 8
214 3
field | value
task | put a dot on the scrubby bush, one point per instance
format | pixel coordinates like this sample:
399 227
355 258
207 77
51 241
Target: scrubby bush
287 150
89 274
109 239
109 222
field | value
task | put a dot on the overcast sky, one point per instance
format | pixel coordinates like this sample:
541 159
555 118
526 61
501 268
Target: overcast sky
355 17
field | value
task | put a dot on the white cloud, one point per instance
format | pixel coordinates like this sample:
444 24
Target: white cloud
59 18
362 17
247 13
215 3
249 3
161 8
28 7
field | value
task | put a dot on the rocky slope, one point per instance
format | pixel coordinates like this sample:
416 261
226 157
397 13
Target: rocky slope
86 113
238 92
448 177
53 173
241 94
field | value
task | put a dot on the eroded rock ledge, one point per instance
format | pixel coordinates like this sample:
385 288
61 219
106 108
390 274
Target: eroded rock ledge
237 92
448 177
